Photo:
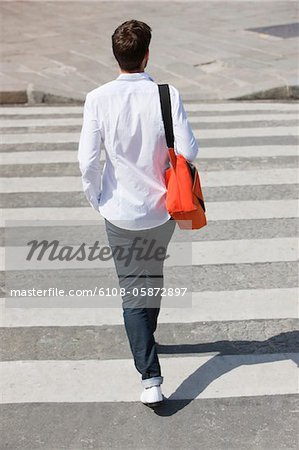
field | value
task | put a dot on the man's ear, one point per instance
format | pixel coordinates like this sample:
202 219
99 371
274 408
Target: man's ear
146 57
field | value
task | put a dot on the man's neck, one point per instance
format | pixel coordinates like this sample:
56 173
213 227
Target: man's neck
133 71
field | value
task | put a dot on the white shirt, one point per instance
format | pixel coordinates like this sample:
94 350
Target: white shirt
125 116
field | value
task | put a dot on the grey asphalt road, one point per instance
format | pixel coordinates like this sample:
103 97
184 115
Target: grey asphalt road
229 362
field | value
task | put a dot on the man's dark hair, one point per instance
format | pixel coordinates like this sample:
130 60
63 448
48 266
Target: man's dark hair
130 42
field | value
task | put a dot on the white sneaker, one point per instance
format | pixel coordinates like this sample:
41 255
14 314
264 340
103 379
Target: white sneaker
152 396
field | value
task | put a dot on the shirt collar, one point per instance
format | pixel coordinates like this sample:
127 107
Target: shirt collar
135 76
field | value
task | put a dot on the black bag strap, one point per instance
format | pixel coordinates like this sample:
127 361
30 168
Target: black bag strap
166 113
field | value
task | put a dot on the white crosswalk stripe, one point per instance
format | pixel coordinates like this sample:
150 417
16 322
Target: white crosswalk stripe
35 138
44 156
235 210
77 121
209 252
194 107
244 285
217 178
245 304
37 381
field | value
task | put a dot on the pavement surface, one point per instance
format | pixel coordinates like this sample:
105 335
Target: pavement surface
229 358
58 51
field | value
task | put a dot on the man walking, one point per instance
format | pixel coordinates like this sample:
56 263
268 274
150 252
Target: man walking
125 115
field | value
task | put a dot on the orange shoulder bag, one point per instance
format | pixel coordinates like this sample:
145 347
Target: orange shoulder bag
184 198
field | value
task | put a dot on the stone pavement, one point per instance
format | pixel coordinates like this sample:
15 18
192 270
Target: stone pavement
57 50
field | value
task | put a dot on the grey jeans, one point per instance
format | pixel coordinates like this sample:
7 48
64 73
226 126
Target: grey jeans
140 278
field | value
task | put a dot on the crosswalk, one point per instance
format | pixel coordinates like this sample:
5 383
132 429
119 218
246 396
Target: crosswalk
239 338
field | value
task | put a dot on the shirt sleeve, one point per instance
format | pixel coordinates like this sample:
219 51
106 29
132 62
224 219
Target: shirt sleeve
184 140
89 155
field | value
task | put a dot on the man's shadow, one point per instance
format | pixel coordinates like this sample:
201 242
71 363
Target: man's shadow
270 350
